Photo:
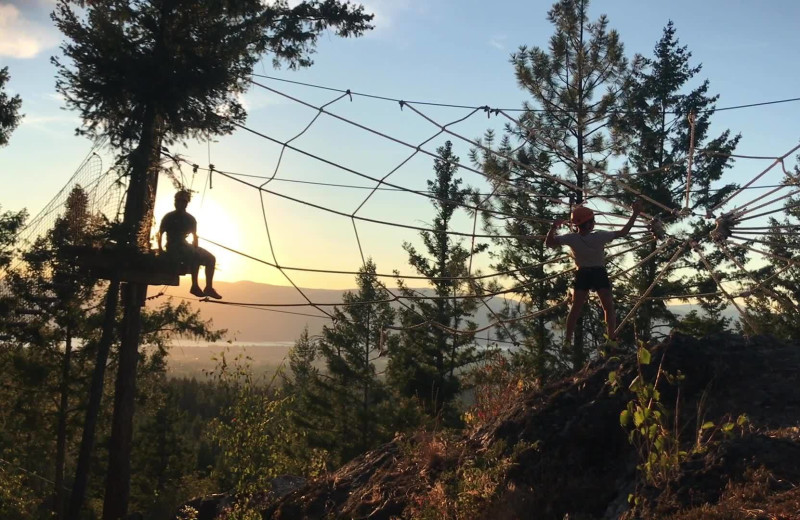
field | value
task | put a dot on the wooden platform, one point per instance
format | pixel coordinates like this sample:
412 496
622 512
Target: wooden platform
151 268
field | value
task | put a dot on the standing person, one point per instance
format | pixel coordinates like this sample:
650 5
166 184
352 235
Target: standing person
178 225
587 248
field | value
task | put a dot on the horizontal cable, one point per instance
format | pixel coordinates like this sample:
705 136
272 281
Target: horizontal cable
383 275
364 219
449 105
396 297
431 154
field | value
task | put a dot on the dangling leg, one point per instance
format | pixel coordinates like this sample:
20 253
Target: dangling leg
210 263
607 301
579 297
193 269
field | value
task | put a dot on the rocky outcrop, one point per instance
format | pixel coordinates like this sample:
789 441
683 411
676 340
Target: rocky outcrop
559 451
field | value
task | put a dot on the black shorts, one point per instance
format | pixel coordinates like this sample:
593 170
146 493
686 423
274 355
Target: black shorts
191 255
591 279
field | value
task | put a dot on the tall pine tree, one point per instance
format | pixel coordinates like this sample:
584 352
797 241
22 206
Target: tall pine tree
576 84
426 361
353 392
146 74
663 113
9 109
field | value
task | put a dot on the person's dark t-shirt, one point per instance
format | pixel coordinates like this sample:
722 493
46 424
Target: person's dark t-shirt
177 226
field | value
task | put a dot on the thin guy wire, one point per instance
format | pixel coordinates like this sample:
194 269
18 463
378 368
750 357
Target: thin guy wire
448 105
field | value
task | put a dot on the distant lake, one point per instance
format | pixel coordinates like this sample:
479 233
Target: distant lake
182 343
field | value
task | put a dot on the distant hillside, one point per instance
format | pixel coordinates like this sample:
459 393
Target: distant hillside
249 324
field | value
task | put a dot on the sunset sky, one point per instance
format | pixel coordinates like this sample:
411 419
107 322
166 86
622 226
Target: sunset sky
447 51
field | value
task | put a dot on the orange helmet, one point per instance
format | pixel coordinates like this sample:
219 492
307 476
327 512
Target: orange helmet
581 215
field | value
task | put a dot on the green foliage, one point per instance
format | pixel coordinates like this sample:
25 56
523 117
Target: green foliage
700 325
709 433
647 421
774 303
426 361
186 61
9 109
351 396
658 130
256 435
17 497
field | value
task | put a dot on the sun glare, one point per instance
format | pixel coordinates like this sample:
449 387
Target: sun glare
215 224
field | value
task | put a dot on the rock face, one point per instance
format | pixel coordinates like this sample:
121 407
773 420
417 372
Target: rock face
560 452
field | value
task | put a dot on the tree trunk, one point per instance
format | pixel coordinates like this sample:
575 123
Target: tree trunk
61 435
138 215
93 407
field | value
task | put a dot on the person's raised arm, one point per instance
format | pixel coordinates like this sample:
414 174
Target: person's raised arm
550 240
637 208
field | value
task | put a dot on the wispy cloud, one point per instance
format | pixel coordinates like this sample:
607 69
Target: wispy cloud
499 41
41 121
387 11
256 100
21 37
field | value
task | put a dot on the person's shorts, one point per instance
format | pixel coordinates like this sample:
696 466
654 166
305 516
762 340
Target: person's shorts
191 255
591 279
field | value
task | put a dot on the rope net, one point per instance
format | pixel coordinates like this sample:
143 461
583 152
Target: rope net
337 191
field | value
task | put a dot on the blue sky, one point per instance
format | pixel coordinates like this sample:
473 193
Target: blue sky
450 51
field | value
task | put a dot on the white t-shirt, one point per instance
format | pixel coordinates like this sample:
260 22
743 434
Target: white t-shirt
587 250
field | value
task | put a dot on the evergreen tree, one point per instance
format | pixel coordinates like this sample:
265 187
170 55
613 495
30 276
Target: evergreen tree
576 84
146 74
351 391
53 298
662 115
528 200
775 306
9 109
426 361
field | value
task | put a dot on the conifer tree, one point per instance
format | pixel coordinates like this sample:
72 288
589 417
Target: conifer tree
56 297
775 307
663 113
426 361
9 109
147 74
309 391
351 390
526 202
576 84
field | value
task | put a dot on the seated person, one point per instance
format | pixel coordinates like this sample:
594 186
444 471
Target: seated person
178 225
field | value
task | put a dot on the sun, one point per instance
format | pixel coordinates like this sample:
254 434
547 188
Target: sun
219 233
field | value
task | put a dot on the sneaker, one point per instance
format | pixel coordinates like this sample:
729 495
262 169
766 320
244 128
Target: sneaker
211 293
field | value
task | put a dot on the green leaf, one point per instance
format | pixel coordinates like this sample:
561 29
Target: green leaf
644 356
742 420
624 418
728 426
707 425
638 418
